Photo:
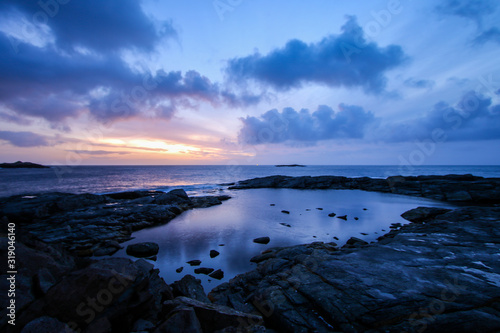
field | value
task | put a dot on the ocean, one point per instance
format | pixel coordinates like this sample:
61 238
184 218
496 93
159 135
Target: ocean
196 180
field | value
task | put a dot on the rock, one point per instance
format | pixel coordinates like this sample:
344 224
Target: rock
143 250
458 196
343 217
356 218
20 164
422 214
272 205
174 197
181 319
356 241
218 274
319 208
45 324
190 287
448 263
203 270
364 233
336 238
194 262
143 326
213 317
214 253
179 270
285 224
262 240
365 208
332 214
395 225
285 212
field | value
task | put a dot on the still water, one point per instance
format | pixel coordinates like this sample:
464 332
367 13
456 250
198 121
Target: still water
248 215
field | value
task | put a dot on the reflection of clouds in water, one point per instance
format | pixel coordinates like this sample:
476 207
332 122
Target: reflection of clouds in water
248 215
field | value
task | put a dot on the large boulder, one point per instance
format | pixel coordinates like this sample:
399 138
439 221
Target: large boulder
143 250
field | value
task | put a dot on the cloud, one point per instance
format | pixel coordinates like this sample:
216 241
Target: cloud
92 24
24 139
474 10
490 35
13 118
98 152
345 60
422 84
472 118
273 126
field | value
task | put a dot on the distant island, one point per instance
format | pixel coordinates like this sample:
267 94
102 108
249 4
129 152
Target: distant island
290 166
19 164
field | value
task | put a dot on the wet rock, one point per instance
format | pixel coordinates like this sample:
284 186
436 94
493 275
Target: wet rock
285 212
332 214
272 205
194 262
343 217
262 240
214 253
203 270
285 224
356 218
142 250
384 286
319 208
218 274
179 270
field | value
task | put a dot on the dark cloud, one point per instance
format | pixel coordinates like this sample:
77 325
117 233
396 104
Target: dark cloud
490 35
100 26
41 82
24 139
345 60
470 9
422 84
472 118
273 126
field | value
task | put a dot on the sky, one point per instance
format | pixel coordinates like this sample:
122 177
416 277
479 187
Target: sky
112 82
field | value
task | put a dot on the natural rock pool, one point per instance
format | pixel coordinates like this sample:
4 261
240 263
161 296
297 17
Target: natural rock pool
231 227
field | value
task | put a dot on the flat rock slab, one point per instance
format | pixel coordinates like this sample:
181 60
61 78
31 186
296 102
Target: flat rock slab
439 276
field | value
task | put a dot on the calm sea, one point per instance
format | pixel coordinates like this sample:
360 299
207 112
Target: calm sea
194 179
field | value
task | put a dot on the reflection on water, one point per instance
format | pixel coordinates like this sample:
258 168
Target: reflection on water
230 228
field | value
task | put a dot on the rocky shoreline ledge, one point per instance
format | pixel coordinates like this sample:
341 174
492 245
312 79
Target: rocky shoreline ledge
439 273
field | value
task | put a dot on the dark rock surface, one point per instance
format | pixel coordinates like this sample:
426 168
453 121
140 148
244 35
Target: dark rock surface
143 250
218 274
89 224
214 253
262 240
452 188
442 275
19 164
189 286
57 292
203 270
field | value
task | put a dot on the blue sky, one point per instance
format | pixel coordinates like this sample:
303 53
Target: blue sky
250 82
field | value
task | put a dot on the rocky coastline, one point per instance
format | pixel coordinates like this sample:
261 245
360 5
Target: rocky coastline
439 273
20 165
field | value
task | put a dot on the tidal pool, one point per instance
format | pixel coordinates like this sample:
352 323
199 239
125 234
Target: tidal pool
231 227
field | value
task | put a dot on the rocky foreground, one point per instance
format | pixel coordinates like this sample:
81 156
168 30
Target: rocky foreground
452 188
440 273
